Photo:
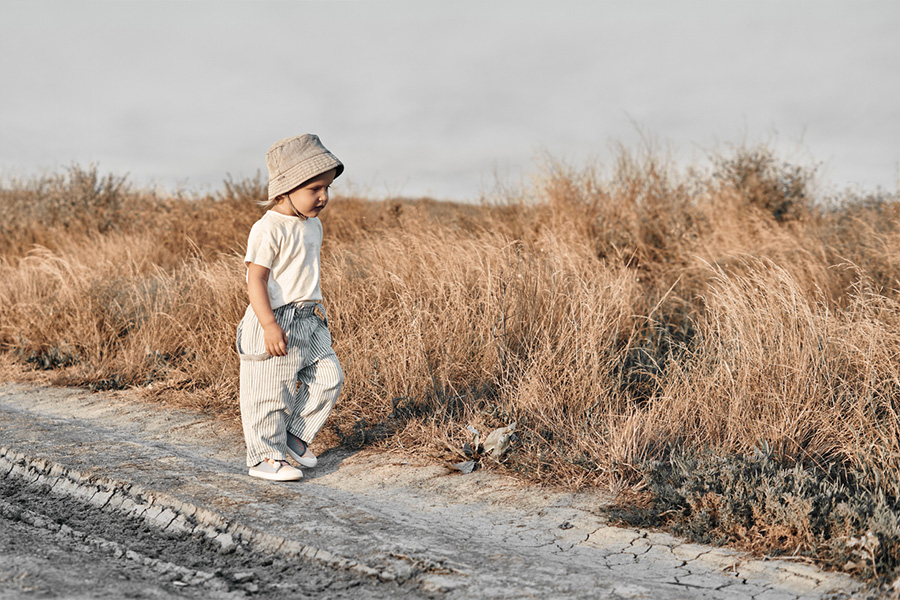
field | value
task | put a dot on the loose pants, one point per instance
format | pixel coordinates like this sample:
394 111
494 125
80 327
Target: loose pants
293 393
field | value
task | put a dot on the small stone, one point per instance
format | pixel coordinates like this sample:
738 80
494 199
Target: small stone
226 542
439 584
243 576
498 441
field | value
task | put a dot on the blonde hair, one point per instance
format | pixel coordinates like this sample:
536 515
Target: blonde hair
270 204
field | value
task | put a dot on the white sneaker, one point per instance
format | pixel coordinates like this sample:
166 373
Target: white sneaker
299 451
277 471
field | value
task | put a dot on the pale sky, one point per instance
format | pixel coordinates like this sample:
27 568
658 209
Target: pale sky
444 98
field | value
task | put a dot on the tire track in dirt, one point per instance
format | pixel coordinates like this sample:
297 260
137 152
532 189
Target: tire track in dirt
65 538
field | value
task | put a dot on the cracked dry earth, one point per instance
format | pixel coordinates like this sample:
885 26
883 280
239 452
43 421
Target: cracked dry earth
103 495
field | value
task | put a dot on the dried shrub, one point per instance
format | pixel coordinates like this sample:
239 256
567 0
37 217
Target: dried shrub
840 517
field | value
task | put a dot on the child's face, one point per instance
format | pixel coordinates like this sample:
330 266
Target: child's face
310 198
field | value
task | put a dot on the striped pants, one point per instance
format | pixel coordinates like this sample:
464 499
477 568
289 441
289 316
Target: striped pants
272 402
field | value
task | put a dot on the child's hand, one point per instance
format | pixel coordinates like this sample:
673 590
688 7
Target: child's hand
275 340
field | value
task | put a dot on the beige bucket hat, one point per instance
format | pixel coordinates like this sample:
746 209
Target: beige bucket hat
295 160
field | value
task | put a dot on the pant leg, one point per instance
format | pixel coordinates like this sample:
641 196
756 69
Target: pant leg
316 397
321 380
266 390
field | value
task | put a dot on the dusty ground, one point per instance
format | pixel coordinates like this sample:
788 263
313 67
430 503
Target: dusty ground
54 545
104 495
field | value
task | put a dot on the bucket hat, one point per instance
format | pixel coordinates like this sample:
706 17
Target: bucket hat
295 160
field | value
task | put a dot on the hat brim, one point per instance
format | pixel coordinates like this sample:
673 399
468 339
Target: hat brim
302 172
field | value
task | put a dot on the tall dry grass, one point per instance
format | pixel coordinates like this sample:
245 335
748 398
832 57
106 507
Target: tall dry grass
674 334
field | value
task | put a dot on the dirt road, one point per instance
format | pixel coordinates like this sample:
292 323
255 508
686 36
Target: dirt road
54 545
104 495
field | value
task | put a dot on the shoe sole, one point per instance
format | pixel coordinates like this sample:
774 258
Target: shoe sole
275 476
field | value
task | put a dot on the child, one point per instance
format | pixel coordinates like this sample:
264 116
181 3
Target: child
283 337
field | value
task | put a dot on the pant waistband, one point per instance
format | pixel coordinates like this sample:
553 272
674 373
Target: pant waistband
304 307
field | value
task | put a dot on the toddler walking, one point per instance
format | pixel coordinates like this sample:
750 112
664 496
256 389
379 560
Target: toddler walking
283 337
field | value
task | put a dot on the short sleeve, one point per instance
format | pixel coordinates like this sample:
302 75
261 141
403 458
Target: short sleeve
261 246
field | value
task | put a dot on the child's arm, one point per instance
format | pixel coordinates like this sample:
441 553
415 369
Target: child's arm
273 335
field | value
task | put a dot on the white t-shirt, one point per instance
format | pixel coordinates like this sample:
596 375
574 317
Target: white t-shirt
289 247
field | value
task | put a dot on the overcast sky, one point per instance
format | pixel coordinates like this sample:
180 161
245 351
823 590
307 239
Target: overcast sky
444 98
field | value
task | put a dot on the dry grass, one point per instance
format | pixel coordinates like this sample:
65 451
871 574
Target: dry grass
625 319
